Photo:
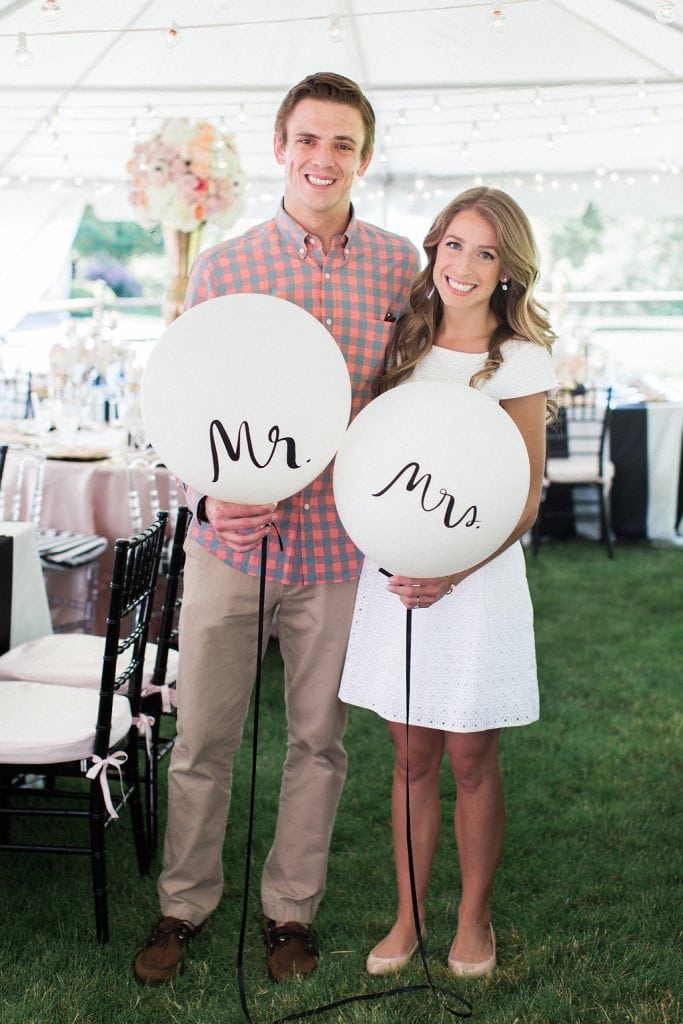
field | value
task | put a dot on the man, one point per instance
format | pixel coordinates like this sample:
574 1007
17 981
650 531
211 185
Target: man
355 279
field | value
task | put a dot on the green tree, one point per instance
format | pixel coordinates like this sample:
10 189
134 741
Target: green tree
119 239
574 239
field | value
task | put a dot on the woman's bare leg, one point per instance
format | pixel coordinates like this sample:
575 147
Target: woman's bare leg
423 756
479 832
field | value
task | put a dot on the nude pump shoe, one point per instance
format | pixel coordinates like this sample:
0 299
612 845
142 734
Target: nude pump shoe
388 964
465 969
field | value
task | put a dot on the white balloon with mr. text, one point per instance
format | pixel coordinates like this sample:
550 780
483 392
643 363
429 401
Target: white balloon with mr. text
431 478
246 398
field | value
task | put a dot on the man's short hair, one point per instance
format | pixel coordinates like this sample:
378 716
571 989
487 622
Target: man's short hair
325 85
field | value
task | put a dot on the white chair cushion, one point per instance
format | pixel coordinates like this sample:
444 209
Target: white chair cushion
72 659
578 469
48 724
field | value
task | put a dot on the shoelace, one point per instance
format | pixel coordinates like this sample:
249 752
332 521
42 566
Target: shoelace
163 933
276 936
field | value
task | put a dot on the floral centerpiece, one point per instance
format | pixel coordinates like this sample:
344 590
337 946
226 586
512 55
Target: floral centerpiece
185 175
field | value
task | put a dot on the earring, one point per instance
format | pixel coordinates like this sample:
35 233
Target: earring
504 285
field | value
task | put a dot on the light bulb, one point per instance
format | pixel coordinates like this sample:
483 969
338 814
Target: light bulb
475 130
436 105
665 11
497 21
335 29
23 58
465 151
496 115
172 35
401 117
538 98
550 142
51 11
564 124
241 114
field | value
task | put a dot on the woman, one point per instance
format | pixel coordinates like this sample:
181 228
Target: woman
472 320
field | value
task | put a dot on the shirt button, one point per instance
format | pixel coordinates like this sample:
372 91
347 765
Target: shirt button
302 252
346 252
307 506
328 321
328 275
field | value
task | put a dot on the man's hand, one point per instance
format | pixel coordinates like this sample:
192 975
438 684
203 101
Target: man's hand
241 527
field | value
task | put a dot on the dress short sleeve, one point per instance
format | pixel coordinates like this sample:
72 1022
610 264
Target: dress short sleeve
527 368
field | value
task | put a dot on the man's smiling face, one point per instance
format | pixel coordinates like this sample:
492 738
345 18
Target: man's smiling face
322 157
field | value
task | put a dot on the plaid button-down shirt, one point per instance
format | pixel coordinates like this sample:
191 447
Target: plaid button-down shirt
364 277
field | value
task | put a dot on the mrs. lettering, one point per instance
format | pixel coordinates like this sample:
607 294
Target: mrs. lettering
413 481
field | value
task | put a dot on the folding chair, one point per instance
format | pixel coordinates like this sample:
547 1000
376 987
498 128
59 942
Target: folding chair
577 467
158 696
75 659
75 731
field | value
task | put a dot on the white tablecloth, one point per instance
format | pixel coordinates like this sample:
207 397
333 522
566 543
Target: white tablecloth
29 615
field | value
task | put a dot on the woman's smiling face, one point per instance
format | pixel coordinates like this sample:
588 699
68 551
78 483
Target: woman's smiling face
467 268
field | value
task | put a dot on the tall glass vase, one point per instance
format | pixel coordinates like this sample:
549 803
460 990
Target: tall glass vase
181 248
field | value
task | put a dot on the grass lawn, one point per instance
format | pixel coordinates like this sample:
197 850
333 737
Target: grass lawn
587 902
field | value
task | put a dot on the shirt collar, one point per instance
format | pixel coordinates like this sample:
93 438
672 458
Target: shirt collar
294 234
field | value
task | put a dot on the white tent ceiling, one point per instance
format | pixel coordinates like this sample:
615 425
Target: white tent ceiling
576 91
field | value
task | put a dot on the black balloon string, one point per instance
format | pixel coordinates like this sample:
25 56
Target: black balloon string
367 996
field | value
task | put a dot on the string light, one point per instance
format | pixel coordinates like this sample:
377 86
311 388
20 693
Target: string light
564 124
241 114
401 117
497 20
641 92
436 105
538 98
550 142
51 11
591 109
476 132
335 29
654 116
665 11
465 151
496 115
23 58
151 111
172 35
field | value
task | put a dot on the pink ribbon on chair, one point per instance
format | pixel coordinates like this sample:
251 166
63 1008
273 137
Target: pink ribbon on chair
169 697
99 767
144 724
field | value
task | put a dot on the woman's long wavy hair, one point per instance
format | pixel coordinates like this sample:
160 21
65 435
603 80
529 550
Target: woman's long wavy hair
517 313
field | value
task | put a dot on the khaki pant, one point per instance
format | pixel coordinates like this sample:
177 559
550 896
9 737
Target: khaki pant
218 639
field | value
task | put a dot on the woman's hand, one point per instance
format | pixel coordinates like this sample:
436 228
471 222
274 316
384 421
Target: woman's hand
415 593
241 527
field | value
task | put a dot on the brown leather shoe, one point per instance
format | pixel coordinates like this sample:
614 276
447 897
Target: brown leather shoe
161 957
291 950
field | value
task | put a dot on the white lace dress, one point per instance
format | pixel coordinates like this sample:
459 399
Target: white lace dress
473 663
